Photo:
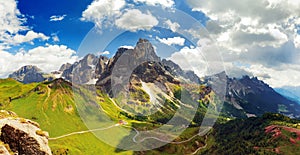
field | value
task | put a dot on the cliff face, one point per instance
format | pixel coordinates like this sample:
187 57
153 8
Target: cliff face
28 74
22 136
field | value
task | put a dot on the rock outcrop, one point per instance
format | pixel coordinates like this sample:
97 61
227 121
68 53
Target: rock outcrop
22 136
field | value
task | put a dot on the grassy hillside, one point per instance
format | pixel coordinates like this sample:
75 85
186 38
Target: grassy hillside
51 104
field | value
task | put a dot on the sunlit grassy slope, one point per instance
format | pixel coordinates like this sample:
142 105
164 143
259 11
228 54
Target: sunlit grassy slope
52 106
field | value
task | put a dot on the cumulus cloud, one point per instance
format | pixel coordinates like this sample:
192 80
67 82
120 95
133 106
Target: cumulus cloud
107 13
134 20
172 25
12 23
29 37
190 58
172 41
12 20
261 33
57 17
101 11
48 58
163 3
287 75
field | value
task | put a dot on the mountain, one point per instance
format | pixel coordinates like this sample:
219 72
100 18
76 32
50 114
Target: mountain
252 97
245 97
175 70
292 93
86 71
28 74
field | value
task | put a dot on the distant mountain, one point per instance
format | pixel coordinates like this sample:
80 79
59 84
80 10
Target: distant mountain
292 93
252 97
28 74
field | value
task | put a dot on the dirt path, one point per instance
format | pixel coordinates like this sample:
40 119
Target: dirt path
202 147
82 132
134 138
48 94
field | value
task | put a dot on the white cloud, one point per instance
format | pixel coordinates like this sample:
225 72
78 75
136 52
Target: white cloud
163 3
54 37
101 11
11 18
103 53
48 58
286 76
261 33
12 23
57 17
172 25
29 37
126 46
134 20
172 41
190 58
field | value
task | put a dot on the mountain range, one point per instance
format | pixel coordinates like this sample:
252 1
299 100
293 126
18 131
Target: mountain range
245 97
155 86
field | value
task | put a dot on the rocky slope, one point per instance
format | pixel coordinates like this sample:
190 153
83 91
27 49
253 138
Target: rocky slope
141 64
28 74
21 136
86 71
253 97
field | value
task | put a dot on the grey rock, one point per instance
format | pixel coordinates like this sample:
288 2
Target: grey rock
28 74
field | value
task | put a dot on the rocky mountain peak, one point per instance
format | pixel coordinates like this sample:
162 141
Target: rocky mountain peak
65 66
257 97
145 50
28 74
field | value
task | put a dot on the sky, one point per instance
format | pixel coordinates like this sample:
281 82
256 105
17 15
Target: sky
251 37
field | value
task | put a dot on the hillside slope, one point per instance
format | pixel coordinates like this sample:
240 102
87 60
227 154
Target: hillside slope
51 104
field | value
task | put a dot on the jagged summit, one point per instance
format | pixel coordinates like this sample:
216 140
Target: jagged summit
86 71
28 74
254 97
141 40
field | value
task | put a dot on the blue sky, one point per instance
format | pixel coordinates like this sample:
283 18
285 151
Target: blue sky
71 30
254 37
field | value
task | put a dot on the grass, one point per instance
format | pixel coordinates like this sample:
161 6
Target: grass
48 107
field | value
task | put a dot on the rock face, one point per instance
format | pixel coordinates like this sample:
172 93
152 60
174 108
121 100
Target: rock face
140 64
19 141
85 71
255 97
175 70
23 136
28 74
65 67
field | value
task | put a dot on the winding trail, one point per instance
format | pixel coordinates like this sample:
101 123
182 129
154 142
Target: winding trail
137 133
202 147
82 132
